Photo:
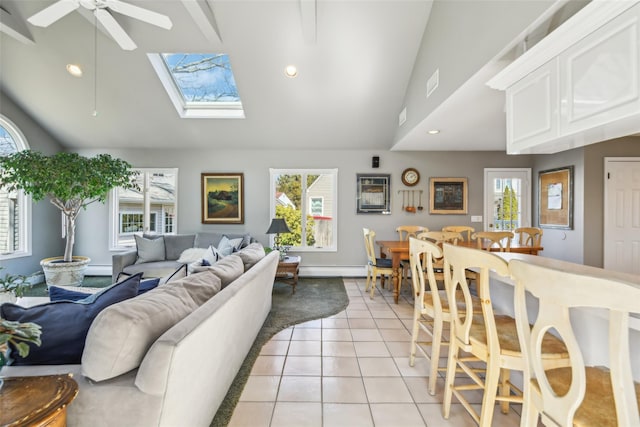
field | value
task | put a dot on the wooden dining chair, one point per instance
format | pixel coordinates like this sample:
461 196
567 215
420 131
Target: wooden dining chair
577 395
375 266
430 308
440 237
489 338
404 232
464 230
529 236
488 239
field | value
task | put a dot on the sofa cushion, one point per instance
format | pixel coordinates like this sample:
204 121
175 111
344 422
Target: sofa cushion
57 293
191 255
175 244
153 269
227 269
121 335
65 323
176 275
150 250
251 255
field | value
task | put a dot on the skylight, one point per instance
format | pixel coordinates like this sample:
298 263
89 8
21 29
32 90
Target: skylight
199 84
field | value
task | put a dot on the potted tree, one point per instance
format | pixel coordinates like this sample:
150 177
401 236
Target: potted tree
71 182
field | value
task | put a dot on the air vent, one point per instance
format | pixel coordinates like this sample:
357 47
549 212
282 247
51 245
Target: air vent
402 117
432 83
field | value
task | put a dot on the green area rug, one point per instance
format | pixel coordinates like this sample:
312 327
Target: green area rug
315 298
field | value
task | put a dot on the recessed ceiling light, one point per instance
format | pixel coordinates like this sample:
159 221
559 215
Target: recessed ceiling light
433 132
74 70
291 71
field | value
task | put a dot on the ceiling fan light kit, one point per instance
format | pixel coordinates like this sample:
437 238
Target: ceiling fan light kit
102 11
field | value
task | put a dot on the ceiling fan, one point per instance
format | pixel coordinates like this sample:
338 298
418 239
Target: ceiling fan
61 8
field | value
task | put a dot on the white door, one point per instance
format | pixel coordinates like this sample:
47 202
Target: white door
622 214
507 198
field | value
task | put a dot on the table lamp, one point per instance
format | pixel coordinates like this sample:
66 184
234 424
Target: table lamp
278 225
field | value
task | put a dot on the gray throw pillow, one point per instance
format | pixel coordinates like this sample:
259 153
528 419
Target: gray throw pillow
149 250
175 244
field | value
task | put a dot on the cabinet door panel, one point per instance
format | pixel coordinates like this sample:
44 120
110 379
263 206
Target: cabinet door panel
532 110
599 76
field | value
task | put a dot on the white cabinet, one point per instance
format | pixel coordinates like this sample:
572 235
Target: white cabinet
579 85
532 108
599 75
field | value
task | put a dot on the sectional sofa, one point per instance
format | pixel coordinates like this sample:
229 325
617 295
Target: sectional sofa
133 375
151 264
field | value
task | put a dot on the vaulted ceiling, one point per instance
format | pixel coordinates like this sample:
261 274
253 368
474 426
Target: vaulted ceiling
355 60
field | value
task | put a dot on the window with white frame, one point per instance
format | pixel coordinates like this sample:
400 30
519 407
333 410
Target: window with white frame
313 192
150 209
15 206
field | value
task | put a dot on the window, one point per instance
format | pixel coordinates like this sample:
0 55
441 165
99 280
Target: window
152 209
314 191
199 85
15 207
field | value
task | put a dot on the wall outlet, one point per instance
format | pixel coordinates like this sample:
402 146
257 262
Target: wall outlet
476 218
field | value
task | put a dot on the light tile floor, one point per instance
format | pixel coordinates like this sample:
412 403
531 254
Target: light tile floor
350 370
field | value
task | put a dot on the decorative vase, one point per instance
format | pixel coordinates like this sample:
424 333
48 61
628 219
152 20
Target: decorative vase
60 273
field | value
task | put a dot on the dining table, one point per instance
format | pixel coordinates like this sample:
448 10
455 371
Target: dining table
398 251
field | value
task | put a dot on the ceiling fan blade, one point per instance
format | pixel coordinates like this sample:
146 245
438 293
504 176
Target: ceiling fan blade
51 14
139 13
114 29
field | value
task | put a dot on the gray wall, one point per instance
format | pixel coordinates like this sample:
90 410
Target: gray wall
594 192
567 245
46 231
460 38
92 232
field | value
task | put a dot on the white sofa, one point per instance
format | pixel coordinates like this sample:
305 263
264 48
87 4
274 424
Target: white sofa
185 374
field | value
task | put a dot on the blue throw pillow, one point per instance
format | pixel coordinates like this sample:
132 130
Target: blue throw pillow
65 323
57 293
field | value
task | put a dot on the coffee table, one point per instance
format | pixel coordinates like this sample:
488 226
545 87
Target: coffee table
288 269
36 401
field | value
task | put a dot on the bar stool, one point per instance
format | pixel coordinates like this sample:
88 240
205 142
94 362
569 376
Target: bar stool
489 338
431 305
576 395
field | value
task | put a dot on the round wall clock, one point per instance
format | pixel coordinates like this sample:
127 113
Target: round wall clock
410 177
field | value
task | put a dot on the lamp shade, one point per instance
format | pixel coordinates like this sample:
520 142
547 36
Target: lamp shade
278 225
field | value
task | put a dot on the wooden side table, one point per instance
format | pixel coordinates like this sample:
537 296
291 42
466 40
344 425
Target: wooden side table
288 269
36 401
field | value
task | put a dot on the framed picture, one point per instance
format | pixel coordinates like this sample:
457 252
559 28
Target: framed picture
222 198
555 198
448 195
373 194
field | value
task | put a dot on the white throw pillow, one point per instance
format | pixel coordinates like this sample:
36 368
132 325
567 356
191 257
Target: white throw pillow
228 246
191 255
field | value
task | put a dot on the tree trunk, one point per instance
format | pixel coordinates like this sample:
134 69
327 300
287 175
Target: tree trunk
70 232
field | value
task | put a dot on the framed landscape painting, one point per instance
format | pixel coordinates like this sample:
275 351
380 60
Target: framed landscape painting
222 198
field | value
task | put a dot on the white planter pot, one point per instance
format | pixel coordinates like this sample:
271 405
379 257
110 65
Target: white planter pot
7 297
60 273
